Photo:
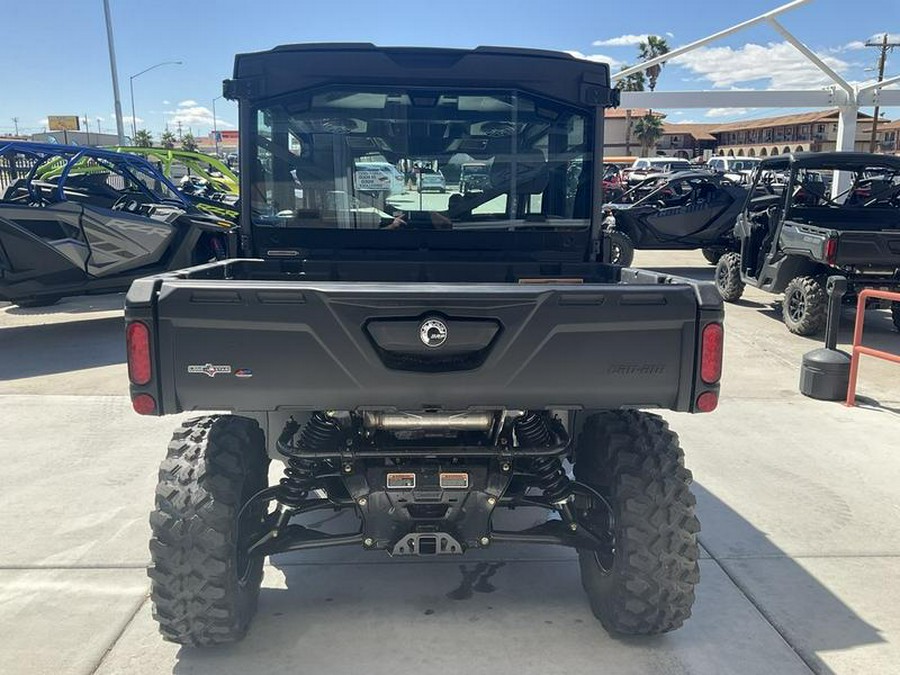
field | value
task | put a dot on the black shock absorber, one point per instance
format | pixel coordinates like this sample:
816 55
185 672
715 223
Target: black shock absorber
532 430
320 433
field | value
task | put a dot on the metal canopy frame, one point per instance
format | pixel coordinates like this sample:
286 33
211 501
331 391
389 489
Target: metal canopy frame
846 97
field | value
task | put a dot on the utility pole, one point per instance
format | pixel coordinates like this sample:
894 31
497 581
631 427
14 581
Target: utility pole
16 122
179 130
120 125
885 46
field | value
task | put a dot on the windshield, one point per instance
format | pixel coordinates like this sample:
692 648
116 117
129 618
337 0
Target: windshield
400 157
744 164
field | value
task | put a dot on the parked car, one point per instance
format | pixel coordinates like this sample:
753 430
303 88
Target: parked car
654 167
683 211
737 169
431 181
78 220
421 380
791 240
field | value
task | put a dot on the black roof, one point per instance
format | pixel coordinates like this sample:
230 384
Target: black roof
290 68
848 161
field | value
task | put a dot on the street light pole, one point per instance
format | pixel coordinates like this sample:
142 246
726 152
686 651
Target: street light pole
120 128
215 128
131 87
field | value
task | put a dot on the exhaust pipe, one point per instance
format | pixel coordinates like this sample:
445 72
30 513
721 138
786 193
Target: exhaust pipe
407 421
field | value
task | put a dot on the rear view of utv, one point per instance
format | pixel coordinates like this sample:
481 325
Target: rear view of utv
796 232
421 362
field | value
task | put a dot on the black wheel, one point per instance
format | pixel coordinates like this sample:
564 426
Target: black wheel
646 586
895 314
712 254
621 248
805 305
204 588
43 301
728 277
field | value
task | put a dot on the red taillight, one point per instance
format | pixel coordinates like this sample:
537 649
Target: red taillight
143 404
711 353
831 251
707 401
137 340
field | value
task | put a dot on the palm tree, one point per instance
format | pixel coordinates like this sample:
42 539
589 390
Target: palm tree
633 82
188 142
647 130
167 140
143 139
653 47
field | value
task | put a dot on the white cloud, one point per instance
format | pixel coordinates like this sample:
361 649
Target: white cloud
43 122
778 65
166 102
601 58
670 34
878 37
726 112
192 115
628 40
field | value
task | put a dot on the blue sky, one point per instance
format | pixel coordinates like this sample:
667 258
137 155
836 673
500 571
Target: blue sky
55 61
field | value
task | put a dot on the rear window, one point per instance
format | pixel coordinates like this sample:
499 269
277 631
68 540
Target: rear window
379 147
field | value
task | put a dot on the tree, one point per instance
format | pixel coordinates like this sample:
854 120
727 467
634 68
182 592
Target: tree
654 46
647 130
633 82
167 140
189 143
143 139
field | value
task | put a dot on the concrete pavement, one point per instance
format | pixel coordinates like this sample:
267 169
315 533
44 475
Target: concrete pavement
797 499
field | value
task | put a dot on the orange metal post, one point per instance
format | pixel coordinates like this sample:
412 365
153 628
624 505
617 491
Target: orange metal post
858 349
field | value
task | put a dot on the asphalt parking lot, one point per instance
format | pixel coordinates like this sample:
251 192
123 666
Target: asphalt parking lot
798 501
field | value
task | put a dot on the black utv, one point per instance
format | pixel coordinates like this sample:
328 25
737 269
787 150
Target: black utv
682 211
795 234
78 220
421 370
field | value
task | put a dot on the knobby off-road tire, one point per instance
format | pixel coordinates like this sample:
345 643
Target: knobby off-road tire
805 306
647 587
713 254
895 314
728 277
203 592
621 248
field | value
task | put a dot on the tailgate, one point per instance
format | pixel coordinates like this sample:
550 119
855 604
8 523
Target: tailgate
880 249
254 345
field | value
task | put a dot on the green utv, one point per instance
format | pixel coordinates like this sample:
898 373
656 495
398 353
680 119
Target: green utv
421 361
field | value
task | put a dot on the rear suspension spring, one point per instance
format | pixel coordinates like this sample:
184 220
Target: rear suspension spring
533 430
320 433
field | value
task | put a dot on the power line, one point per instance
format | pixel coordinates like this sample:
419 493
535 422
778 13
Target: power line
885 46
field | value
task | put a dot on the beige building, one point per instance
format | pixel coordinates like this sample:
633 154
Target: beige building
687 140
617 141
805 132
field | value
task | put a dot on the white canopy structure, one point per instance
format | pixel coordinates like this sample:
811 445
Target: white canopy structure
843 95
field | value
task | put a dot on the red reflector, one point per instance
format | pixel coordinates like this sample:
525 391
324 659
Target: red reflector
143 404
707 401
831 251
137 340
711 353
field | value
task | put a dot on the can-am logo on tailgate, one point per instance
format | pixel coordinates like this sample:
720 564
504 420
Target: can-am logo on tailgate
209 369
433 332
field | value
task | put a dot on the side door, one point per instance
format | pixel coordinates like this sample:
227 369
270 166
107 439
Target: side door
687 216
121 236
